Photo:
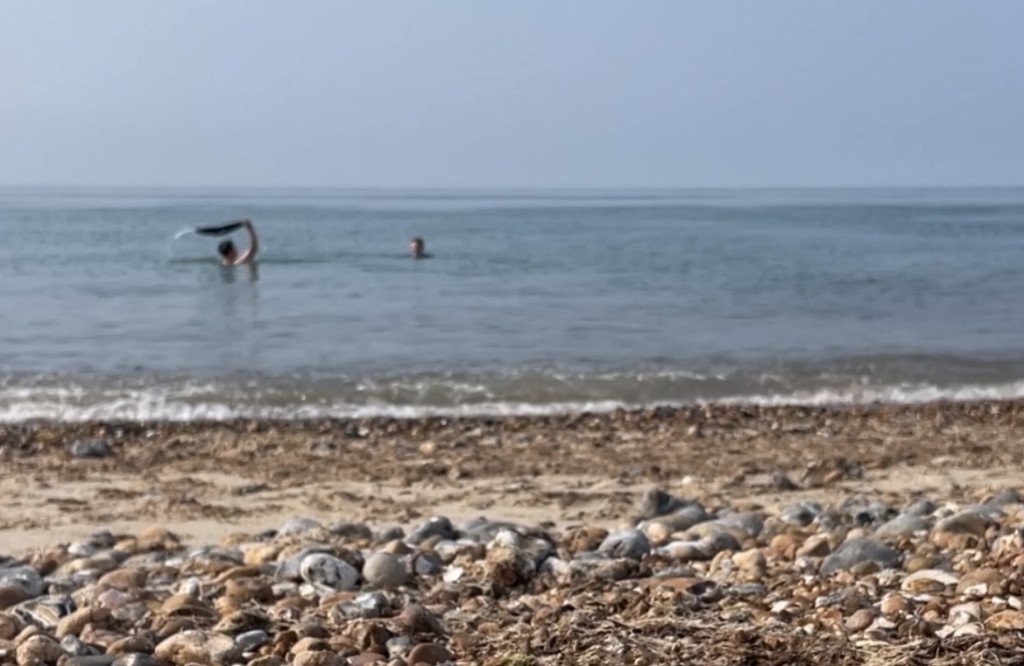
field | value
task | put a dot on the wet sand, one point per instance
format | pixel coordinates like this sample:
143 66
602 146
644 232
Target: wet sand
206 481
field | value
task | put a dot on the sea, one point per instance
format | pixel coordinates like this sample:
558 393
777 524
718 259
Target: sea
532 302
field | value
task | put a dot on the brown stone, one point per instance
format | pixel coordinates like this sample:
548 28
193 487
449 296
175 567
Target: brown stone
38 650
27 633
586 538
247 589
317 658
183 605
428 653
158 534
751 564
917 563
366 658
956 541
123 579
396 547
202 647
370 637
894 604
860 620
262 554
815 546
137 643
928 581
784 545
993 581
10 625
102 638
235 572
11 595
310 644
268 660
1007 620
75 622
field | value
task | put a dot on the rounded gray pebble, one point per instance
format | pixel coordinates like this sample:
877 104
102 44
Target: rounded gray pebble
920 508
750 523
854 551
435 527
384 570
901 526
26 578
251 640
298 526
631 544
74 647
801 515
656 503
90 448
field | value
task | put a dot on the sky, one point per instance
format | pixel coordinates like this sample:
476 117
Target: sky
524 93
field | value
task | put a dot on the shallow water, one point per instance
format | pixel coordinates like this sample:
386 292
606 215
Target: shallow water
533 301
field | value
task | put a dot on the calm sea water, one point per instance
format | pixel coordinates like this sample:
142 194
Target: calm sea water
533 301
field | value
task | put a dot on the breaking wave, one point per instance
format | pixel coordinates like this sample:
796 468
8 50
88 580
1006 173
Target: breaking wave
525 394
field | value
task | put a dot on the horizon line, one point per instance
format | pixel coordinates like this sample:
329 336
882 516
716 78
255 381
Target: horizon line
508 188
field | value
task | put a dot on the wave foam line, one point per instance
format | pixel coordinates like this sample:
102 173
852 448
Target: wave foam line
158 406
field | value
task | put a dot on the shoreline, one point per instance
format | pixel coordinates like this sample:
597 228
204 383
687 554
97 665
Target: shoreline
223 471
694 411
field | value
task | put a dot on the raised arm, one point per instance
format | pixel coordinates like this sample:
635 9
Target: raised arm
254 244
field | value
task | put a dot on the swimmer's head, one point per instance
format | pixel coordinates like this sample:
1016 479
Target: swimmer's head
227 251
416 247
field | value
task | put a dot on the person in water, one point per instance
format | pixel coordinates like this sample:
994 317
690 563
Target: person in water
229 253
417 249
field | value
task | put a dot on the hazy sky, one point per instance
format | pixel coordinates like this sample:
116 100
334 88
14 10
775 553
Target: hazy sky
510 93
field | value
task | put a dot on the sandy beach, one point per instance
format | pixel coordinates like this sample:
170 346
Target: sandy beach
207 478
708 588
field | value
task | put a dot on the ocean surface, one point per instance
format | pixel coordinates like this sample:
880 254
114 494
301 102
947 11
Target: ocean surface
533 301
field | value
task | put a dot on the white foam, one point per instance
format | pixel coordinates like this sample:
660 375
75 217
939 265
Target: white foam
75 405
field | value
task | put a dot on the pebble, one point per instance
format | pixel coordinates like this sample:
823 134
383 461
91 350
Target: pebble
317 658
1007 620
333 572
904 525
854 552
631 544
966 522
194 645
747 522
90 448
384 570
656 502
297 526
920 508
751 564
306 595
801 515
894 604
928 581
683 518
860 620
251 640
137 660
428 653
26 578
815 546
438 527
38 649
90 660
